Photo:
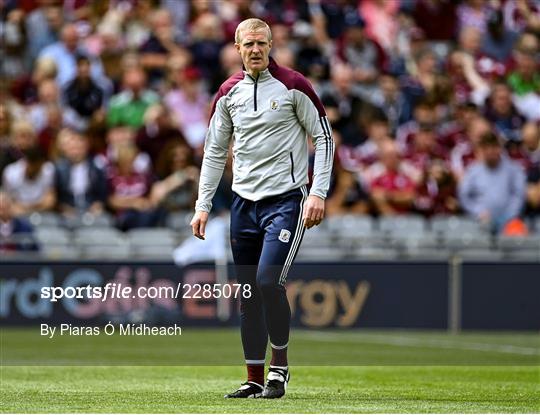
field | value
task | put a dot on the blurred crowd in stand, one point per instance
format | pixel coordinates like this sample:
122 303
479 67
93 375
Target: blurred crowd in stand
434 104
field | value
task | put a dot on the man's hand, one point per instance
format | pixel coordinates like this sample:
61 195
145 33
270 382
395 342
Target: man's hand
313 211
198 224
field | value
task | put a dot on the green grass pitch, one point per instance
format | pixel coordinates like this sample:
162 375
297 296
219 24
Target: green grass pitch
332 372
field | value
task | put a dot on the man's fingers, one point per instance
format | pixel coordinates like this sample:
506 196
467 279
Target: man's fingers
198 228
202 228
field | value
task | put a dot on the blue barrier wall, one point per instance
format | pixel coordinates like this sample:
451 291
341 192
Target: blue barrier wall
367 294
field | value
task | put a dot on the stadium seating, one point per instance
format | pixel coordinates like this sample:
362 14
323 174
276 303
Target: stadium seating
339 238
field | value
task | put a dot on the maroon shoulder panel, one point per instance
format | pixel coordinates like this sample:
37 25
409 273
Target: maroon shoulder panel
225 88
295 80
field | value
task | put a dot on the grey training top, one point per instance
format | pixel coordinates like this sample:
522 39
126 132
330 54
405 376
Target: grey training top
270 118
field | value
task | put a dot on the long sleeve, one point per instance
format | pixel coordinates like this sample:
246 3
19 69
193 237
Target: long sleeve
517 195
468 194
215 154
312 117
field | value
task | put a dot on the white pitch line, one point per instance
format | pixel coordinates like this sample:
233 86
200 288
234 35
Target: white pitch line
416 342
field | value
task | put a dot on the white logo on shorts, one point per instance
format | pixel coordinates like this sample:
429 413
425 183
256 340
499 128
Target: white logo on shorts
284 235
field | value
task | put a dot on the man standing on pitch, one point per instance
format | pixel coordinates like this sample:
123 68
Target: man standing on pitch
269 111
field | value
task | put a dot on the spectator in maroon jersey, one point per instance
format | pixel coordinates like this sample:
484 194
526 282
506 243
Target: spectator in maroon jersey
177 189
158 130
470 43
392 182
359 158
468 151
436 193
437 18
129 192
25 88
425 148
423 114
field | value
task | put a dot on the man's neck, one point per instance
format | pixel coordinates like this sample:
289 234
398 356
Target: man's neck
253 73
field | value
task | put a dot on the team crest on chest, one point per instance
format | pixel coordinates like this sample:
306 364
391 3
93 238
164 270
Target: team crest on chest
284 235
274 105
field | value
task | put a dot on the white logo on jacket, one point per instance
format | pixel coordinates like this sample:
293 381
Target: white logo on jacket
284 235
274 105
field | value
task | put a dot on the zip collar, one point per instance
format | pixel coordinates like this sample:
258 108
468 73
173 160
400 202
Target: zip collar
263 75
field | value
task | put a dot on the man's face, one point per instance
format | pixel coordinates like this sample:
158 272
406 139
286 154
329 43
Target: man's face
492 155
254 48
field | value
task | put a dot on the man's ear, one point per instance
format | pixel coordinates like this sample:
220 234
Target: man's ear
237 46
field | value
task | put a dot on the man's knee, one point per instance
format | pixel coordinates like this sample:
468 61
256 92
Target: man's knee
268 284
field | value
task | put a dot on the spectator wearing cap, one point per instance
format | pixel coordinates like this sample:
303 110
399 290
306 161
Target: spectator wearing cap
82 95
493 189
392 182
502 113
188 104
127 108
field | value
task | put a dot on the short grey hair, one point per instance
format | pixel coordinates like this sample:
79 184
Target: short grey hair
251 25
